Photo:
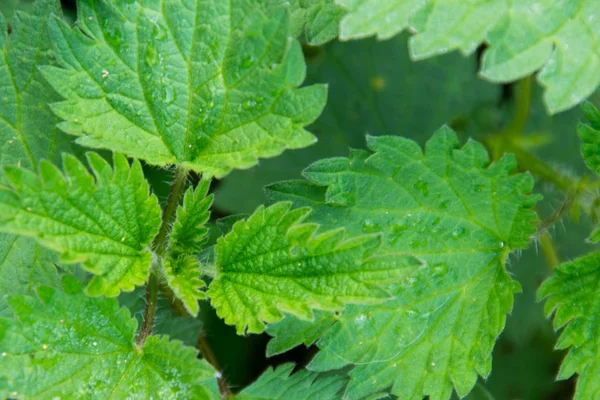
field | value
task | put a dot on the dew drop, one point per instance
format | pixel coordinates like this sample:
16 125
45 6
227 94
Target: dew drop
439 269
478 188
247 61
370 226
412 312
458 232
248 104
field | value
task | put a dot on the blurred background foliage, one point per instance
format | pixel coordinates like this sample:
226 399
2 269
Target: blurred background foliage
374 88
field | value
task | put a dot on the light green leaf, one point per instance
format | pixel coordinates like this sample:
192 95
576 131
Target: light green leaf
182 274
24 265
590 137
189 232
560 37
210 85
318 20
374 88
273 263
28 130
107 222
572 296
281 384
459 214
68 344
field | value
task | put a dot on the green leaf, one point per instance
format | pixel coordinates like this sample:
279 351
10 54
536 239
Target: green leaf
189 232
448 207
107 222
182 274
28 130
210 86
572 296
273 263
559 37
374 87
290 332
280 384
24 265
68 344
318 20
590 137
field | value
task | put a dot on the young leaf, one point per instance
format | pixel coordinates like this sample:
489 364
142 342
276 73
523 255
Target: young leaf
181 269
590 137
182 274
189 233
28 130
272 262
459 214
106 223
572 296
559 37
210 85
281 384
68 344
24 265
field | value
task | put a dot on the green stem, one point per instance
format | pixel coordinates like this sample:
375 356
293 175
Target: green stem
517 125
159 246
209 356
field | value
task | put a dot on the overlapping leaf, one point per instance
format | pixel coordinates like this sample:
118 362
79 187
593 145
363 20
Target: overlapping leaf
374 88
106 222
281 384
573 296
560 37
69 345
317 20
210 85
274 263
460 215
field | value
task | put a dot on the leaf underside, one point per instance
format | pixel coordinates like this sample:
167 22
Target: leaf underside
573 296
73 346
106 221
562 38
273 263
448 207
209 85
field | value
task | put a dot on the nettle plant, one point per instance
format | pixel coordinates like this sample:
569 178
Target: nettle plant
393 260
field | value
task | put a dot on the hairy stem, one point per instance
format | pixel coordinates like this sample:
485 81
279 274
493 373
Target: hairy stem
209 356
159 246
